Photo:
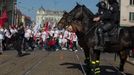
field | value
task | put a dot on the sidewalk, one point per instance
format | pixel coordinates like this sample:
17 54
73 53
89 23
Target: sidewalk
130 60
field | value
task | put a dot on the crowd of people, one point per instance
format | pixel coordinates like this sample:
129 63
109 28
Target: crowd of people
44 39
56 40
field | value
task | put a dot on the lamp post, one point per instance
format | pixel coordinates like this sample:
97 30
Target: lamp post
1 7
13 11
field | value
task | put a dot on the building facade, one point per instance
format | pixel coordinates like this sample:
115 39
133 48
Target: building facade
9 5
127 13
47 16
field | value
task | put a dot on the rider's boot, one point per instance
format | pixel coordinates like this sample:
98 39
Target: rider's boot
100 45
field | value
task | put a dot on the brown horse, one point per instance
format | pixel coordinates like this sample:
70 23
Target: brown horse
80 21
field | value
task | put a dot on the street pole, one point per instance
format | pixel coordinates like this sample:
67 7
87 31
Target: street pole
1 7
13 11
15 15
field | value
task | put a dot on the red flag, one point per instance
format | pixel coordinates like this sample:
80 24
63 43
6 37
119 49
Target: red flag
46 28
0 1
3 18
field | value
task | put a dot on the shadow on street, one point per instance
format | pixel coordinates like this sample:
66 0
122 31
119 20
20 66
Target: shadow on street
105 70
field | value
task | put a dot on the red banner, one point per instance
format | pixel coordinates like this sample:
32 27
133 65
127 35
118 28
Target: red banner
3 18
46 27
0 1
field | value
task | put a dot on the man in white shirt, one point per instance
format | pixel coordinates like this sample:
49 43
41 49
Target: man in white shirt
28 38
1 39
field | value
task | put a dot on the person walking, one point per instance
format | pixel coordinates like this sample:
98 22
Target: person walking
1 39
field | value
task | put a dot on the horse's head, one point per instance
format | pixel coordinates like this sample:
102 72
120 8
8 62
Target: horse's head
80 13
63 21
75 13
75 26
78 17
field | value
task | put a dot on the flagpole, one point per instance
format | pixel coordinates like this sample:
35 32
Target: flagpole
1 7
13 11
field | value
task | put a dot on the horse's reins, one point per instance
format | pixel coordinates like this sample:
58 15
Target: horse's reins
91 28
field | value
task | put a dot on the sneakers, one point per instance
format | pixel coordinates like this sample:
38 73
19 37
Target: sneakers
76 50
70 49
57 49
64 48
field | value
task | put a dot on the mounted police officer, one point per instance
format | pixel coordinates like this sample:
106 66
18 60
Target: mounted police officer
107 16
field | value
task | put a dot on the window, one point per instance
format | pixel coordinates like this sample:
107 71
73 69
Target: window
131 2
131 16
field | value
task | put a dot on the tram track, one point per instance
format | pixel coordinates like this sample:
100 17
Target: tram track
82 68
30 68
119 72
5 61
19 64
106 61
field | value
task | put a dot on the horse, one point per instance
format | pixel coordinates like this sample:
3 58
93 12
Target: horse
80 21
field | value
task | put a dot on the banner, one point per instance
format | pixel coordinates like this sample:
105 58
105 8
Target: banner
37 27
46 27
3 18
0 1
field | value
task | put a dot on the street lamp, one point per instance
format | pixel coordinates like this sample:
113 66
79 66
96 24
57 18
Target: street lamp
13 12
1 7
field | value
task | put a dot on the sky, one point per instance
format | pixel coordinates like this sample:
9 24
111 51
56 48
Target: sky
29 7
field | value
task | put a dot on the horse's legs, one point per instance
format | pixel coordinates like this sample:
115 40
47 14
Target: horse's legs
95 62
123 57
87 56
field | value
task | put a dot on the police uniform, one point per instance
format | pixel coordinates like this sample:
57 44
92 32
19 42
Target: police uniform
108 16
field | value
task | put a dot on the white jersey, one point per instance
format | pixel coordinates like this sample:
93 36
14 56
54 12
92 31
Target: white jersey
56 33
74 37
44 35
66 35
13 31
1 33
60 38
28 33
7 33
38 34
51 32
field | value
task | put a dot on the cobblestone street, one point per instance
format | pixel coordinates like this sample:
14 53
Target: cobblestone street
40 63
55 63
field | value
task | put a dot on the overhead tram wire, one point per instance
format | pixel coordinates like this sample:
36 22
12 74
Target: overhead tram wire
31 10
27 9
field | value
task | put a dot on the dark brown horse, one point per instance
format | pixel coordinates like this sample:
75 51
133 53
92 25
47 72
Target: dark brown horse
80 21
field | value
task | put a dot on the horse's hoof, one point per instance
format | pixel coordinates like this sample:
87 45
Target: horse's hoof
0 53
122 73
24 54
20 55
86 61
121 69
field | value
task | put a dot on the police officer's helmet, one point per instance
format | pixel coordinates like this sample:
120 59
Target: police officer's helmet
112 1
101 4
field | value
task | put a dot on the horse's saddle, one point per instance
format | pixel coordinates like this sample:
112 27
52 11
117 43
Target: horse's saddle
112 36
